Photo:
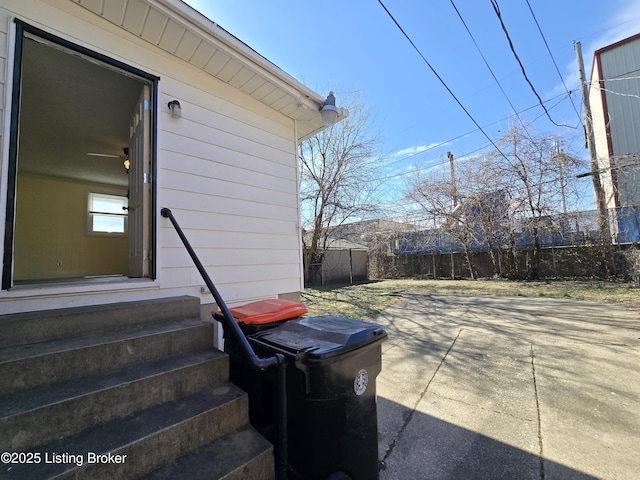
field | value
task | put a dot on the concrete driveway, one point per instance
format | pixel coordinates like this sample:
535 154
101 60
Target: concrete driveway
509 388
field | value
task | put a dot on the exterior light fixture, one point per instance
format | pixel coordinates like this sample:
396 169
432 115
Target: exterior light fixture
175 108
329 111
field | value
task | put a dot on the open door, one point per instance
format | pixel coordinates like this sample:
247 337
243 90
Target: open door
140 187
75 211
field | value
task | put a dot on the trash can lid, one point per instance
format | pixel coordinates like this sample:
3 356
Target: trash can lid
265 311
321 337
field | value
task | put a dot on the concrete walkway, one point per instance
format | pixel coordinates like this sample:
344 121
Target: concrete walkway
509 388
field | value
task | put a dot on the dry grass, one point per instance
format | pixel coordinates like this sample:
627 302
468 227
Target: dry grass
365 300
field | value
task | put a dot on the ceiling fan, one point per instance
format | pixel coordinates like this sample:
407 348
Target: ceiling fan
125 156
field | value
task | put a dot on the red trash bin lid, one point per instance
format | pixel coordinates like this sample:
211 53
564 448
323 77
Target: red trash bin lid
266 311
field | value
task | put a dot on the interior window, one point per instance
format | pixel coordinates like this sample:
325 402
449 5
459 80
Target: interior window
107 214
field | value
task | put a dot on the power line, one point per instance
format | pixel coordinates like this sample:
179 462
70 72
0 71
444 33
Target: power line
489 68
445 162
496 9
620 77
439 77
515 113
553 60
618 93
434 165
554 106
440 144
394 204
482 55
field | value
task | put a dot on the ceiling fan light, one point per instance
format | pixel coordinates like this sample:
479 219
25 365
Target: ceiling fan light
127 162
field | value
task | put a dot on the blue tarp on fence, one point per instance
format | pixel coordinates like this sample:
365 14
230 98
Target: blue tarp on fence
567 230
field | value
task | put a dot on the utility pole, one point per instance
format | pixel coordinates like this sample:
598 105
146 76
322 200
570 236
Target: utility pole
454 194
601 207
559 158
454 191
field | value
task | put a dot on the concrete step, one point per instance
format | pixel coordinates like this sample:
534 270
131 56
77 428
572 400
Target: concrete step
44 326
47 412
241 455
142 442
28 366
121 391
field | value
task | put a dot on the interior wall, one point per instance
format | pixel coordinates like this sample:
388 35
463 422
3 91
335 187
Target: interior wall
50 236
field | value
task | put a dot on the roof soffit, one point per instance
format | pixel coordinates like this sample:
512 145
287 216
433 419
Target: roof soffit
178 29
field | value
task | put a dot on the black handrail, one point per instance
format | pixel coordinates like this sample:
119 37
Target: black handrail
230 323
256 363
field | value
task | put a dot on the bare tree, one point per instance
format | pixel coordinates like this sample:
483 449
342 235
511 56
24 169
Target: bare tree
529 169
441 198
493 202
488 209
339 179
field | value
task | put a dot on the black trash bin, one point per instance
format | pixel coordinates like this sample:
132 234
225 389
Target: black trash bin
252 318
331 394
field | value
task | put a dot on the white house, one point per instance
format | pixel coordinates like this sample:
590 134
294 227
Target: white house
614 97
87 85
110 111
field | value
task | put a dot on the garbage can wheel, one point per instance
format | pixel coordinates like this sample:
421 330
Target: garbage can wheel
339 476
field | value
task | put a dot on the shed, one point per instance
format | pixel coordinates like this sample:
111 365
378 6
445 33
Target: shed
343 261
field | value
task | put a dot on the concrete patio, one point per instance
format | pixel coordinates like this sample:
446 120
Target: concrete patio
509 388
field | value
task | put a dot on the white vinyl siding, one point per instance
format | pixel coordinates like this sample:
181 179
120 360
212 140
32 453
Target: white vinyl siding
227 169
235 194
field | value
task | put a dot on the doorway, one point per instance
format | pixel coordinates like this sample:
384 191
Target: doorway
80 167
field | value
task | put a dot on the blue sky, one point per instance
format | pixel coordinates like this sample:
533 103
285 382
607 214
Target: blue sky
353 45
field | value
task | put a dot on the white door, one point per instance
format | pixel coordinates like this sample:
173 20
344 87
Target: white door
140 187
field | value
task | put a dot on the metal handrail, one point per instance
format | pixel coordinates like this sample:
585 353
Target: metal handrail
229 321
260 364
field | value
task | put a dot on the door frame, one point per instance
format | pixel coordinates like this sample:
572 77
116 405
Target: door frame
22 28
